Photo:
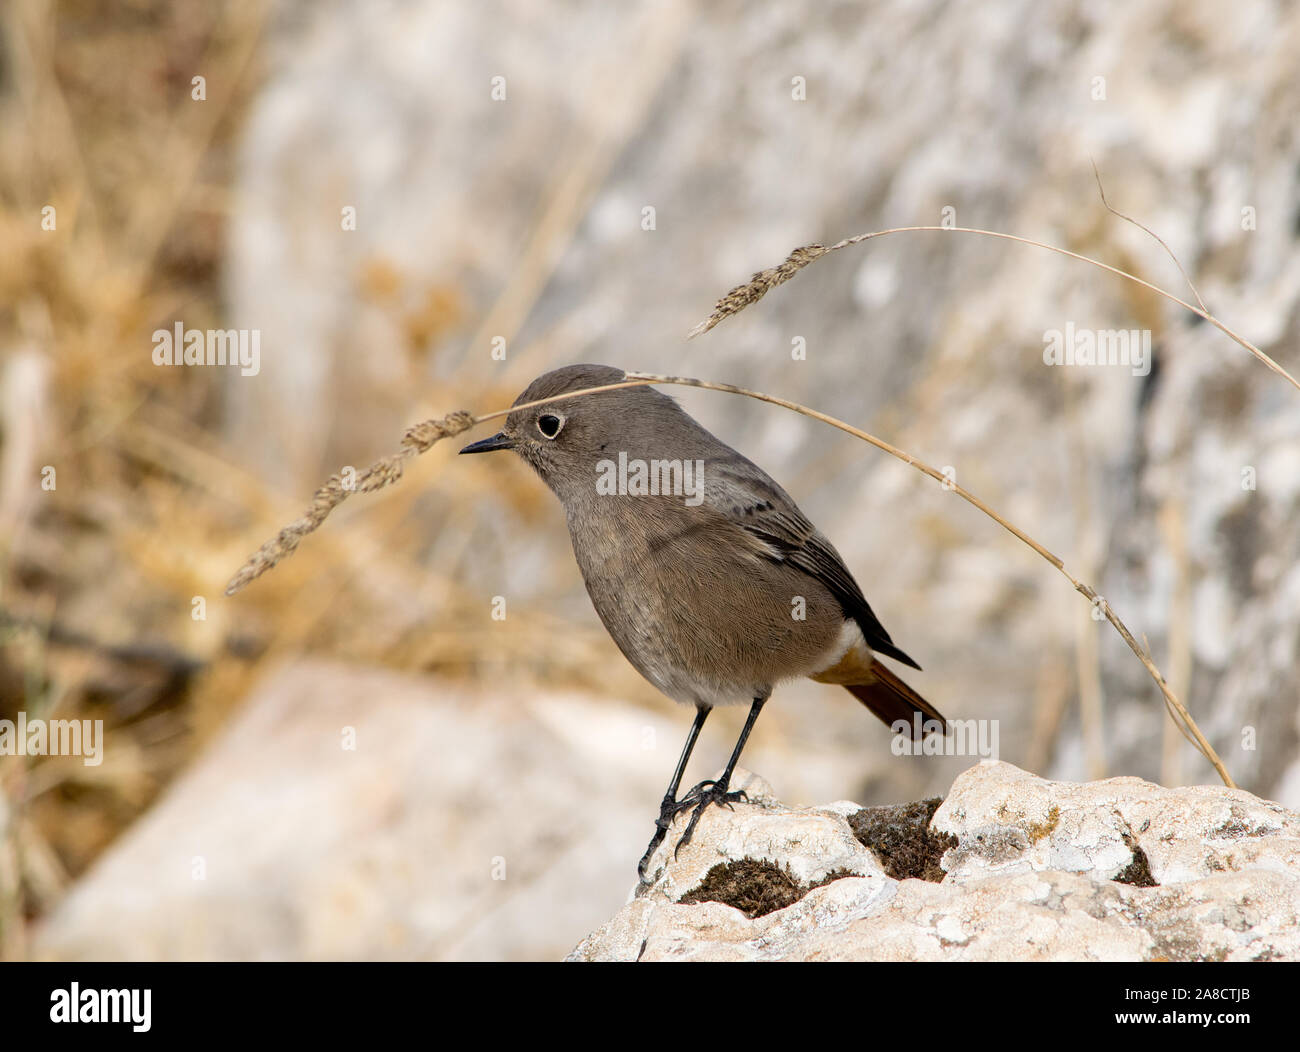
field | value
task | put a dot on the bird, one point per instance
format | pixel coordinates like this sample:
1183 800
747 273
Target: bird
703 570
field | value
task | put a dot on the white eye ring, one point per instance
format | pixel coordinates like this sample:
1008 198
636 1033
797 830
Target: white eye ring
559 425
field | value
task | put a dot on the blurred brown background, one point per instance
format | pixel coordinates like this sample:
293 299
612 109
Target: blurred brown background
506 773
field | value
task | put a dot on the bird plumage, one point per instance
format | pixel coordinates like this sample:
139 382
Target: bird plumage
769 593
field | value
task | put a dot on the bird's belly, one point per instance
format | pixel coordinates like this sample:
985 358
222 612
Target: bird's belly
714 631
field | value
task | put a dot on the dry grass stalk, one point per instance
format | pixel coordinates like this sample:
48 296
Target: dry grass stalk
1101 190
422 436
388 470
761 283
419 438
383 472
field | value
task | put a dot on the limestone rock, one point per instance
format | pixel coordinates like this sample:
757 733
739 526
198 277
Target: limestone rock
1030 870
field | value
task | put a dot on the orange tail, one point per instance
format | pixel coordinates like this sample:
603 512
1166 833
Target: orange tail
891 699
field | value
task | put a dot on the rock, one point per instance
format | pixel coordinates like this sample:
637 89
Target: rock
463 826
1027 869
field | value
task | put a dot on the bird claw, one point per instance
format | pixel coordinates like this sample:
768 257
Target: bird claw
697 797
701 798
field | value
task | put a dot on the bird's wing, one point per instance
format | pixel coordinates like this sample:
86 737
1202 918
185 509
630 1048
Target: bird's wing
765 512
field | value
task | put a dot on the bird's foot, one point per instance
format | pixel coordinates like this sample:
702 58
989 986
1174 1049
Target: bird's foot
707 792
699 797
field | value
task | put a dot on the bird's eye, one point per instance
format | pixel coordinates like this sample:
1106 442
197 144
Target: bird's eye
549 424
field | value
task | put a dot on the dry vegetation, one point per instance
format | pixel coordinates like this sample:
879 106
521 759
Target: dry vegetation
101 573
97 121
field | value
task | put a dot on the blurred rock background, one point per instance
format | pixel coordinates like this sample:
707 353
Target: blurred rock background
526 219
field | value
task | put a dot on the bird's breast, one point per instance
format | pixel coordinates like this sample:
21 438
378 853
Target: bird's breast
697 610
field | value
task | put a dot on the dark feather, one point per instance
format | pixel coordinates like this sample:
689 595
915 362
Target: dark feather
892 700
777 521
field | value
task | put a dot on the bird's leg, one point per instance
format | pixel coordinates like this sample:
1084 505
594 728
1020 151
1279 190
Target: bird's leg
711 792
669 808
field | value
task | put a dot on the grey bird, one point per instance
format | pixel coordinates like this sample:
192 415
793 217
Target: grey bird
712 582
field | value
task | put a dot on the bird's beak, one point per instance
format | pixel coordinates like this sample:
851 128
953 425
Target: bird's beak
498 441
